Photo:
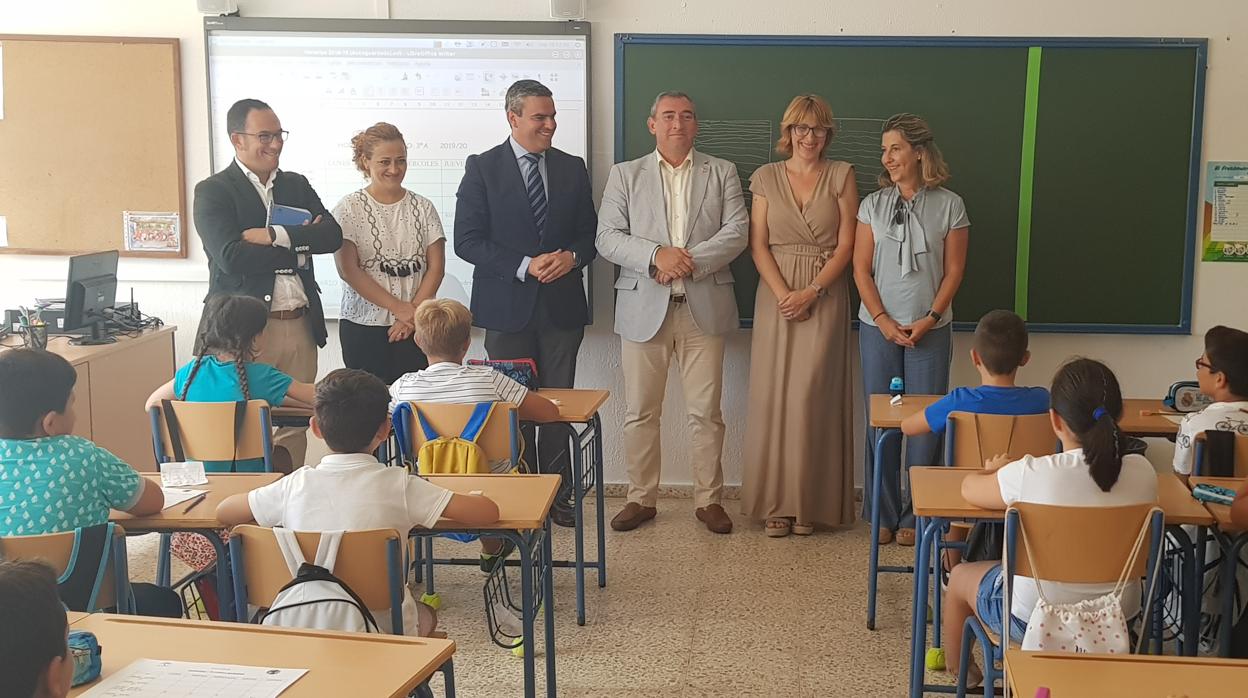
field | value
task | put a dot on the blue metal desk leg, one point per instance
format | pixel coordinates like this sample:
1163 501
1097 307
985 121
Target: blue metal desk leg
1190 591
225 581
601 514
548 604
528 614
163 562
922 553
578 464
873 567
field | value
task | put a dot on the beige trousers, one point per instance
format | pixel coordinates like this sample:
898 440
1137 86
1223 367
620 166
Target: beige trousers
287 346
700 358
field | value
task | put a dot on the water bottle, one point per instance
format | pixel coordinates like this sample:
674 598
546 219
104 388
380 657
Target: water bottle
896 386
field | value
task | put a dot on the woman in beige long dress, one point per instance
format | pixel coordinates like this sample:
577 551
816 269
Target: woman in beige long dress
799 432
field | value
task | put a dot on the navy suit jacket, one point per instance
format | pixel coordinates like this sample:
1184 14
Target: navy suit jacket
226 204
495 230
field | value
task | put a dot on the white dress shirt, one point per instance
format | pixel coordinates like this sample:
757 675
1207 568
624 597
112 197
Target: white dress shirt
288 291
676 183
525 167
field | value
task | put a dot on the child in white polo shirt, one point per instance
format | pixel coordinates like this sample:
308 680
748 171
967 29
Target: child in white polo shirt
349 490
1222 372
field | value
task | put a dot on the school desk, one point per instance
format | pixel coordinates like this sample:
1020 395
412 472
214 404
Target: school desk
338 664
580 408
1067 675
114 381
202 519
524 505
937 496
1232 541
886 419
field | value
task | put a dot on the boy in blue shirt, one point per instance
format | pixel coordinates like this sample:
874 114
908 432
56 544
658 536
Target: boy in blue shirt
50 480
998 351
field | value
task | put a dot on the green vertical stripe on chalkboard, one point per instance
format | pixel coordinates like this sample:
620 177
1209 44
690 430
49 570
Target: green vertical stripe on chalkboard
1026 179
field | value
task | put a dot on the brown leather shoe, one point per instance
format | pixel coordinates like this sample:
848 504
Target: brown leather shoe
715 518
632 516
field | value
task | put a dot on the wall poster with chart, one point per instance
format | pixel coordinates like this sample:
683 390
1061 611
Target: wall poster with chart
1225 236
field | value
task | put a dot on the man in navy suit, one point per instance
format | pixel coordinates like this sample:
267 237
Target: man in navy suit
525 218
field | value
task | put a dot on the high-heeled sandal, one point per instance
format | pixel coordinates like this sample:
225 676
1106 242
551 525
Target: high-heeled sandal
801 529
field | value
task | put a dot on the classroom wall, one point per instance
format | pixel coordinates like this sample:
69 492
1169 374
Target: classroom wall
1145 365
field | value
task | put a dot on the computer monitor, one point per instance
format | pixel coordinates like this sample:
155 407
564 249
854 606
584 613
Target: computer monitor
90 289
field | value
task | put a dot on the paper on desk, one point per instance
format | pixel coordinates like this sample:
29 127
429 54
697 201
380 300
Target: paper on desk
1176 418
183 474
148 678
177 495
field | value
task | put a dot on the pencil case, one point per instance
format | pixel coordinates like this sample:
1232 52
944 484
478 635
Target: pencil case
1213 494
85 650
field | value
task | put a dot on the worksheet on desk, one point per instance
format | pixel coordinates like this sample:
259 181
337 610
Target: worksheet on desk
152 678
177 495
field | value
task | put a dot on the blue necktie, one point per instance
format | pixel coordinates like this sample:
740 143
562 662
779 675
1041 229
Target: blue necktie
536 190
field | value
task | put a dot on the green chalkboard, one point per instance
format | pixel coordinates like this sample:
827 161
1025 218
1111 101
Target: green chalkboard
1096 142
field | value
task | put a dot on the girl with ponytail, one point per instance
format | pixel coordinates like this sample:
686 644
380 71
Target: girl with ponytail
1093 470
224 370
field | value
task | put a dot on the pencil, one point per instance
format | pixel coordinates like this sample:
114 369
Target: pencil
198 498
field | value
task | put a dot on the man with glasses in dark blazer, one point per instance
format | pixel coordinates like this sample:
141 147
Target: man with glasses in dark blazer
249 255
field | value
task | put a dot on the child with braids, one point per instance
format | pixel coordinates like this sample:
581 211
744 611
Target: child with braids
1093 470
224 370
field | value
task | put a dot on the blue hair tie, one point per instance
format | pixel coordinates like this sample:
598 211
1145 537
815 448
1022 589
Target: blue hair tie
1098 413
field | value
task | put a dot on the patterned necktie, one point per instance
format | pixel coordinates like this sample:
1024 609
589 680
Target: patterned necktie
536 190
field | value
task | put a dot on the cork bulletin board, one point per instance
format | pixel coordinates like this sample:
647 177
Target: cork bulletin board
91 146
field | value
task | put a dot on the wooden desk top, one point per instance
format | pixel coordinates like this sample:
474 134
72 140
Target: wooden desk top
1221 512
576 405
523 500
1072 674
74 616
937 491
204 515
338 664
59 344
886 416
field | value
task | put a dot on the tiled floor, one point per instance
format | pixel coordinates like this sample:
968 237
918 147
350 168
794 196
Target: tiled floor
690 613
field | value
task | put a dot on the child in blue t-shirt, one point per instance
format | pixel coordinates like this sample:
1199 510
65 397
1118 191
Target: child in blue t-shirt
998 351
225 372
54 482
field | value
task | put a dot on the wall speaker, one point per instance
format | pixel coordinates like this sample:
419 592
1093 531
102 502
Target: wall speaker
567 9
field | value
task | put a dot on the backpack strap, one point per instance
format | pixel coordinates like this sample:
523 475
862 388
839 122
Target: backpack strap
403 412
175 431
425 427
327 549
476 421
79 586
291 552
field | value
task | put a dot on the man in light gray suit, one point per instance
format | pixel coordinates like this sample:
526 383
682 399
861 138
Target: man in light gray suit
673 220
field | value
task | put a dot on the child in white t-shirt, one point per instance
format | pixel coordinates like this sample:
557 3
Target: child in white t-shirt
1222 372
1089 472
349 490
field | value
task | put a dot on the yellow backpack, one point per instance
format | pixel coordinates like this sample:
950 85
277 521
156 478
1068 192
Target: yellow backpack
454 455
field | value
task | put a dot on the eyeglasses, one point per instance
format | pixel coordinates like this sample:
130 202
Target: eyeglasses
266 138
802 130
899 211
1201 363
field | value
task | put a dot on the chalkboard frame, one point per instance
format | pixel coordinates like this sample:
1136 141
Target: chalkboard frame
1199 45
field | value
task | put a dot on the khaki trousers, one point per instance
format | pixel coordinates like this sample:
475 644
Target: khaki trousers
700 358
287 346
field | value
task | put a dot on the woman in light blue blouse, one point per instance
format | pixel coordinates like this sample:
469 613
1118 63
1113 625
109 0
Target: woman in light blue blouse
909 259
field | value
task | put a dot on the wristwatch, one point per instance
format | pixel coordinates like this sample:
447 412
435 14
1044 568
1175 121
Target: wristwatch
933 315
819 290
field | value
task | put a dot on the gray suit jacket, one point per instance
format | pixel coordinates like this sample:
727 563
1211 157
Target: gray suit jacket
632 224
